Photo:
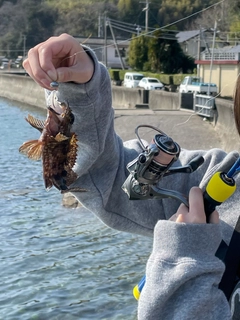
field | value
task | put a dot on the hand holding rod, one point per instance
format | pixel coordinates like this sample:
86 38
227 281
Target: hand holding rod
220 187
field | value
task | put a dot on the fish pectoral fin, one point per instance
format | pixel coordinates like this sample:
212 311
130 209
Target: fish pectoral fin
32 148
35 123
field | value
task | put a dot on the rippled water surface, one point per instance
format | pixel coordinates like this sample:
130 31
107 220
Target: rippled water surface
56 262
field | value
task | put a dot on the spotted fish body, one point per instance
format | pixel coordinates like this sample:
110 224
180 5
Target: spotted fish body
57 146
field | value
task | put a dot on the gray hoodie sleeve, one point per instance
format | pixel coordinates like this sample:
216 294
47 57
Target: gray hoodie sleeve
183 274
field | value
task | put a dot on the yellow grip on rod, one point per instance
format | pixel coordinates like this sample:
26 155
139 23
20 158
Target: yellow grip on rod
219 188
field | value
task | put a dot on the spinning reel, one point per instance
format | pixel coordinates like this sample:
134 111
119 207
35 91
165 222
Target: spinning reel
154 163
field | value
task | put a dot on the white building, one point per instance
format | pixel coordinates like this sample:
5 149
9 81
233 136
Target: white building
222 68
107 52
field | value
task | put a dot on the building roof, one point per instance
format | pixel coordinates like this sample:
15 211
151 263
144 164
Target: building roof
183 36
101 41
235 49
226 49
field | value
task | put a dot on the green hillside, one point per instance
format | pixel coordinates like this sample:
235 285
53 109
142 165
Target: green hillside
24 23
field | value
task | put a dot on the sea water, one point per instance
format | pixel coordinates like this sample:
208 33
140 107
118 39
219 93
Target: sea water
57 262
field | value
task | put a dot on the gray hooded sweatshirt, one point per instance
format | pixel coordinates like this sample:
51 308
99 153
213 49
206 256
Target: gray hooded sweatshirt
182 273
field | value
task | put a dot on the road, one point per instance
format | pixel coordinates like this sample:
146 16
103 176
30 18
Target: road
185 127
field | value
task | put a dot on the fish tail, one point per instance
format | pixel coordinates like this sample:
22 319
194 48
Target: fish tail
32 148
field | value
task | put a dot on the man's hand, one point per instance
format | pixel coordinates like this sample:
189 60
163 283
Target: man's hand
59 59
195 213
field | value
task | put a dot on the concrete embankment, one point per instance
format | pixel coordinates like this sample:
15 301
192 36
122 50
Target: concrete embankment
225 125
23 89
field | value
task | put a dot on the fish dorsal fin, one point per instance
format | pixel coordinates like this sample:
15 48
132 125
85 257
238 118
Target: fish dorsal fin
61 137
35 123
72 153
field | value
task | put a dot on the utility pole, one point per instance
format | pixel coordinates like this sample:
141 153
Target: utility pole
99 26
105 36
116 45
146 9
100 29
24 46
199 50
213 45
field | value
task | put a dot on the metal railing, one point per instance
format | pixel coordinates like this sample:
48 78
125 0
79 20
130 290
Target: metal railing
204 105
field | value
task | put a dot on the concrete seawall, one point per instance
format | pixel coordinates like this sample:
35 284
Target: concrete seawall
163 100
23 89
125 98
225 125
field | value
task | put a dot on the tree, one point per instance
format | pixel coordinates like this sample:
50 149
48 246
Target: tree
82 18
172 11
164 55
40 22
235 18
159 52
128 8
138 52
12 19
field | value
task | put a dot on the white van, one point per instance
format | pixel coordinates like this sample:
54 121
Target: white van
132 79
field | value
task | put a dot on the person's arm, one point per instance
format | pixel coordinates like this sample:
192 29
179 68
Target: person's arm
102 157
183 273
84 84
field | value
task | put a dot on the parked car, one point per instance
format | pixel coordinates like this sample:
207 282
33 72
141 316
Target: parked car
196 85
4 63
151 84
131 79
18 62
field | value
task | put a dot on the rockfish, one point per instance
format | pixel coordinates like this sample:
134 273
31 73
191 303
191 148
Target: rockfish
57 145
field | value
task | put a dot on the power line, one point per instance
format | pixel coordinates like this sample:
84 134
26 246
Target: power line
165 35
121 22
126 25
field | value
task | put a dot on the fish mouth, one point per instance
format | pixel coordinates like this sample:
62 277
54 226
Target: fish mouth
54 119
54 111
